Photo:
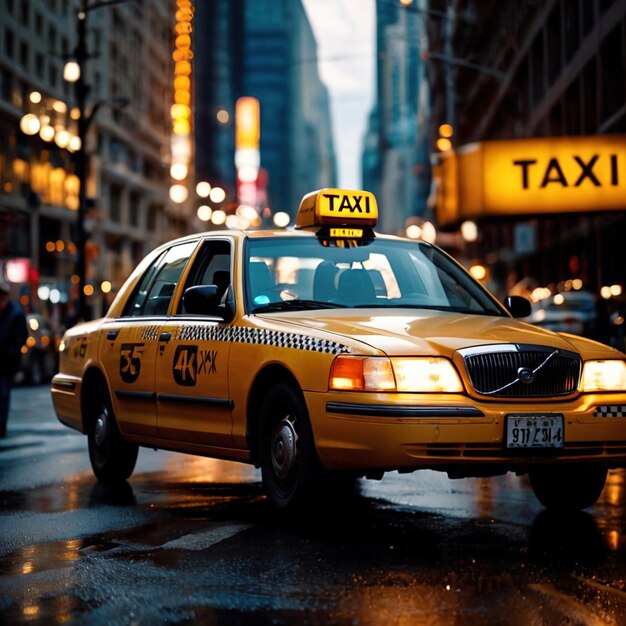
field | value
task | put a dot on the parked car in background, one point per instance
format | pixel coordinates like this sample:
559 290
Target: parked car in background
567 312
39 353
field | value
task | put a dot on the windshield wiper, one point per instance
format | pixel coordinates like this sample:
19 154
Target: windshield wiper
296 305
429 307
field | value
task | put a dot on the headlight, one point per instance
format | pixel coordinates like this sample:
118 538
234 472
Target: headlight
604 376
426 375
406 374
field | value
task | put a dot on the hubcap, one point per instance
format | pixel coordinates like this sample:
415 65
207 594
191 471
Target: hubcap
284 447
100 429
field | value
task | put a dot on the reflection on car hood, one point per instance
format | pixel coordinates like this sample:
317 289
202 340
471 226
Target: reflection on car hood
402 332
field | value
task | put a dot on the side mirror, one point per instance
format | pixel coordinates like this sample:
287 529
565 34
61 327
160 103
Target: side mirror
517 306
201 300
206 300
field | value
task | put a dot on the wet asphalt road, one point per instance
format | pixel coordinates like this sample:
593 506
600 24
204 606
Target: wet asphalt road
192 541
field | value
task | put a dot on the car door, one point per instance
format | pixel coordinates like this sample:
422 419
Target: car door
192 363
130 343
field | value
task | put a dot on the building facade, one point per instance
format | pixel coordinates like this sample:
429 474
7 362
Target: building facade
129 72
218 44
546 68
279 67
264 49
395 157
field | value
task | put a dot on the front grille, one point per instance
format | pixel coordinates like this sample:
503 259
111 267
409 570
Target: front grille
496 373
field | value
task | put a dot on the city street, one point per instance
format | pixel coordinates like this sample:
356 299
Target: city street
192 540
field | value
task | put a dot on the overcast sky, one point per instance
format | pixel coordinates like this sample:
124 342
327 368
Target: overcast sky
344 31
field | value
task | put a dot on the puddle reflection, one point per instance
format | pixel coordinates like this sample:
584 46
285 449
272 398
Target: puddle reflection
42 557
613 493
119 494
198 469
58 610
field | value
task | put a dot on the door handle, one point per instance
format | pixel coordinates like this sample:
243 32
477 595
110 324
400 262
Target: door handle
165 336
112 335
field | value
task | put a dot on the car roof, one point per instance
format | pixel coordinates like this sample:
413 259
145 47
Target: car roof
260 234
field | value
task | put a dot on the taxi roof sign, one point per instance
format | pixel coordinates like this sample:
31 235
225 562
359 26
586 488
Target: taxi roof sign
337 207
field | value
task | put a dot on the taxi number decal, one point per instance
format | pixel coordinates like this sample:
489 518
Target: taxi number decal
346 232
130 361
189 362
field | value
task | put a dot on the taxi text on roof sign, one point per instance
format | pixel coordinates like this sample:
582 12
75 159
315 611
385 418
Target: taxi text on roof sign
532 176
337 207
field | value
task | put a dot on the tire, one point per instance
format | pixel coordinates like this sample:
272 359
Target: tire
568 488
290 467
112 459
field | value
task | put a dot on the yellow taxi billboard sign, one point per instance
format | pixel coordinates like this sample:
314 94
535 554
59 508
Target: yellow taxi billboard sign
337 207
248 123
548 175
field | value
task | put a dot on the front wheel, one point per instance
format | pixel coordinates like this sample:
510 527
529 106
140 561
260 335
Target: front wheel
570 488
112 459
289 463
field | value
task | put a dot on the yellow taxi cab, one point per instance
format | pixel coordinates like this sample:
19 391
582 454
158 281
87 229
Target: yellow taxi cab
331 350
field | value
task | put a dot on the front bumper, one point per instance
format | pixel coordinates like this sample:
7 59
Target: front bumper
368 431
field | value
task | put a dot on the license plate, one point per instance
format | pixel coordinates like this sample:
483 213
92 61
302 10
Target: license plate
534 431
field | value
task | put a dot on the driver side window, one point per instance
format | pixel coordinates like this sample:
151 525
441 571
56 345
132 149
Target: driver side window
211 267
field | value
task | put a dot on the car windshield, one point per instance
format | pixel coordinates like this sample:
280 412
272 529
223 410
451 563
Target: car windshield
286 274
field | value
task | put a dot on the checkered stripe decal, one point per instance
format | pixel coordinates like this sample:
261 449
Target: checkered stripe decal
612 410
260 336
150 333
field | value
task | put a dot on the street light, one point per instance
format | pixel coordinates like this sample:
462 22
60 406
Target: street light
73 71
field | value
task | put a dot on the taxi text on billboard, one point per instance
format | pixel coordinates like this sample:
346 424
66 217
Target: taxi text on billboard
548 175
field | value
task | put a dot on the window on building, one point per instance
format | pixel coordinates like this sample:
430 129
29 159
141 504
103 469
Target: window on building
612 57
588 20
5 87
25 12
572 117
40 65
53 75
9 42
24 55
135 208
115 205
39 24
537 67
153 216
571 29
554 41
52 38
590 94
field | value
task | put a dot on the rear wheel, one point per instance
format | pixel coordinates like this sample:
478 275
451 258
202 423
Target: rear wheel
112 458
568 487
289 464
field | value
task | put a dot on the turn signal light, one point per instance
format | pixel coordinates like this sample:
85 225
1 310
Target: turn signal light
362 374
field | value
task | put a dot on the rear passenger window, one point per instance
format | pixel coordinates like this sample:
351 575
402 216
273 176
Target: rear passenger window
155 290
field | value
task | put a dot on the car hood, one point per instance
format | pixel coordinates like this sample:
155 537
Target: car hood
399 332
